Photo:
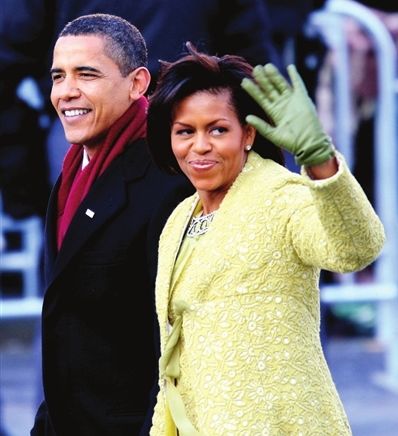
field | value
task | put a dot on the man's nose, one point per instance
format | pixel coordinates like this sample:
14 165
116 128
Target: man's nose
68 89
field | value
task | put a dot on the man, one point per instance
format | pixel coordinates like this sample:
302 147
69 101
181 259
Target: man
103 222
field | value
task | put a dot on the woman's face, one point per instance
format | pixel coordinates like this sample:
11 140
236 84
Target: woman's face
209 142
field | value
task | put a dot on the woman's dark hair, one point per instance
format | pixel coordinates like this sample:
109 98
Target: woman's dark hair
195 72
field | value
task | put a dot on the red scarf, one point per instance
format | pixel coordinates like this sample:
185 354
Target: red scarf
76 182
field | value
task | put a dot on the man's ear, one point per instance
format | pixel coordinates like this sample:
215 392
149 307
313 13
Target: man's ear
140 80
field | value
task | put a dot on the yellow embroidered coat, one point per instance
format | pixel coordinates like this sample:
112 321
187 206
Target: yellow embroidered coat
250 355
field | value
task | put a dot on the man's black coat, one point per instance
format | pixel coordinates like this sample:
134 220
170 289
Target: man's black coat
98 325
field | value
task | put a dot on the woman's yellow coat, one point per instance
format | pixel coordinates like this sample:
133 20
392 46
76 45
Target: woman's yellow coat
250 354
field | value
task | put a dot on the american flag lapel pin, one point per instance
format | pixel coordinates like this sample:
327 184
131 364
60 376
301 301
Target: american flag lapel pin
90 213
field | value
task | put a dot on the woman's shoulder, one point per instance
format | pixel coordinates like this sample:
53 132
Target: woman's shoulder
271 173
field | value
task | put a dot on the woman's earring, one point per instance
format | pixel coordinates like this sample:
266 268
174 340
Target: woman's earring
248 147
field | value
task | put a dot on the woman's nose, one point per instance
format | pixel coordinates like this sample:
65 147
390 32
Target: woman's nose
201 143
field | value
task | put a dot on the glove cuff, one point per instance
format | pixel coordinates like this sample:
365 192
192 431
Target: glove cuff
316 154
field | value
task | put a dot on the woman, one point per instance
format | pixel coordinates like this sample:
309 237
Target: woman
239 261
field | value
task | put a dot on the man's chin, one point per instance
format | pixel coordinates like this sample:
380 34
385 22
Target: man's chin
87 140
75 139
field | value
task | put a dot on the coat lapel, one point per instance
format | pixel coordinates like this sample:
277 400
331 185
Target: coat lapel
50 230
169 255
106 197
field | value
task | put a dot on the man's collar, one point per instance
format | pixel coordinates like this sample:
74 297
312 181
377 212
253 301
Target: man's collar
86 159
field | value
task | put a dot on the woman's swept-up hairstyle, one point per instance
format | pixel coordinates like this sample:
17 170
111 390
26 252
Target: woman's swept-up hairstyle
124 43
192 73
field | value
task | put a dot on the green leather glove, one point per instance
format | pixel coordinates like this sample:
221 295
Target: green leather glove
295 125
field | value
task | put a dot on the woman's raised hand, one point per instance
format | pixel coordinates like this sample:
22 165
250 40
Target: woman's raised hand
293 122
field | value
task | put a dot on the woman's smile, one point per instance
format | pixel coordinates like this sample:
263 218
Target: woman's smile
202 164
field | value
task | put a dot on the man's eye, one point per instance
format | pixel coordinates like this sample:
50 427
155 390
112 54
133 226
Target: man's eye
55 77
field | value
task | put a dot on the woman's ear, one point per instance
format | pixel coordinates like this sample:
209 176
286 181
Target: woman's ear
140 80
250 134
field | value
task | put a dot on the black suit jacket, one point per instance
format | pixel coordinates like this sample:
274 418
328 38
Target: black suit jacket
98 323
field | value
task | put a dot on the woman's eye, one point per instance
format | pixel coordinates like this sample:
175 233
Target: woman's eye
183 132
218 130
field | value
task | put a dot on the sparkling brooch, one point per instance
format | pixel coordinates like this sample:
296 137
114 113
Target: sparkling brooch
200 225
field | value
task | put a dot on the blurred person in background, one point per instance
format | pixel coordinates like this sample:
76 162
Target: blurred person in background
237 288
103 222
24 181
23 164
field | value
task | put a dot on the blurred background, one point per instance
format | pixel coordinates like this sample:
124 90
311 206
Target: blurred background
345 50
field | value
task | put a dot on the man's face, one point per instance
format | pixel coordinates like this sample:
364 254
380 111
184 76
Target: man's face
88 91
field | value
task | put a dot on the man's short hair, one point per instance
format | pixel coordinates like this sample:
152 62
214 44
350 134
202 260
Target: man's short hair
124 43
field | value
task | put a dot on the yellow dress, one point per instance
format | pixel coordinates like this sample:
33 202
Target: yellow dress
249 356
